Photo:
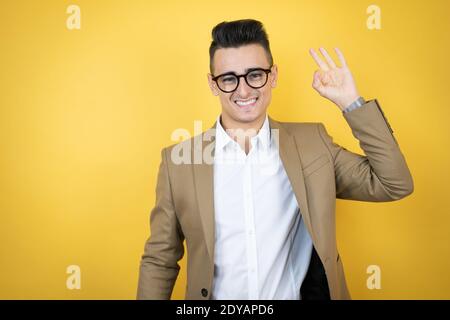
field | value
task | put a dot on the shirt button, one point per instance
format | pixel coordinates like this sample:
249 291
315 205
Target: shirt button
204 292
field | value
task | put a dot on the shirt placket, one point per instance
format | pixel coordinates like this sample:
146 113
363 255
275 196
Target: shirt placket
252 258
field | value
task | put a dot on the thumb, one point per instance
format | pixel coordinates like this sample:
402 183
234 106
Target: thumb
317 83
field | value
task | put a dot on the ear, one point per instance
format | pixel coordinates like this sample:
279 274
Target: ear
212 85
274 76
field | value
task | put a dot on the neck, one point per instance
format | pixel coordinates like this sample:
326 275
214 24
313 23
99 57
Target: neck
241 132
232 125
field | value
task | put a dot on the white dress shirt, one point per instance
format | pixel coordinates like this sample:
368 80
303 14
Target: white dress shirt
262 247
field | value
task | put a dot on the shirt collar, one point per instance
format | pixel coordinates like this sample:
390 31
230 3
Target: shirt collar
263 135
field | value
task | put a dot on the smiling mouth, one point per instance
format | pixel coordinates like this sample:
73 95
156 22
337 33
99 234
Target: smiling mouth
246 103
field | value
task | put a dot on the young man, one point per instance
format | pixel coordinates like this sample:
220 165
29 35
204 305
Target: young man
265 229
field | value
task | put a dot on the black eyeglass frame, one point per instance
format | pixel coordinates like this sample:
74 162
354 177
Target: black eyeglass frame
267 71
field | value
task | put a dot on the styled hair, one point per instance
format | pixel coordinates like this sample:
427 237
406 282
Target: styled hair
234 34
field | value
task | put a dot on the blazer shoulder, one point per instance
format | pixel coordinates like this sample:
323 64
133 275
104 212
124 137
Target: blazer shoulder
302 128
309 137
181 154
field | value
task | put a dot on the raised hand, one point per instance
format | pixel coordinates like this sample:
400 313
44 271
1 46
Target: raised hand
333 82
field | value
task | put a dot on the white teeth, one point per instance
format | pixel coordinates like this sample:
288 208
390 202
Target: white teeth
245 103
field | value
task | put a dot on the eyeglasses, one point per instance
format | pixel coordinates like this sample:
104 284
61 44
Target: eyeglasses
255 78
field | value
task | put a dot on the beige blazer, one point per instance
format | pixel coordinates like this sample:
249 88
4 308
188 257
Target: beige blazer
319 171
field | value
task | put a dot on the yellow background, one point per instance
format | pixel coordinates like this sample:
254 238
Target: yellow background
85 113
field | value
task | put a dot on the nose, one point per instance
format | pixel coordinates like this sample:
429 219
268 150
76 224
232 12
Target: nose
243 89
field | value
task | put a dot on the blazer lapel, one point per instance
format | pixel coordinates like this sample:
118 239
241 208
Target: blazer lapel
204 185
290 158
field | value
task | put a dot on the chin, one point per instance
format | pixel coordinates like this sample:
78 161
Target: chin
247 118
247 115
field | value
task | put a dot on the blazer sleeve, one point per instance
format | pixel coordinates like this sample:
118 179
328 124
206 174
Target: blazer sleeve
382 174
164 248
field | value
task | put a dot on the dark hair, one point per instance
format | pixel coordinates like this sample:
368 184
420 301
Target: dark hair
237 33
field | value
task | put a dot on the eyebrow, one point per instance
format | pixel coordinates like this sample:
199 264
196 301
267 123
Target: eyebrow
246 71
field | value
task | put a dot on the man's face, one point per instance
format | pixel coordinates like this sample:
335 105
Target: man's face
238 60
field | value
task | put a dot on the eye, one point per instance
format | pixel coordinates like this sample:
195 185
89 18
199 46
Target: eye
228 79
256 75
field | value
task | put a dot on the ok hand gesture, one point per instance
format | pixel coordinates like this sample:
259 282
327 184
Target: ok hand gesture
333 82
